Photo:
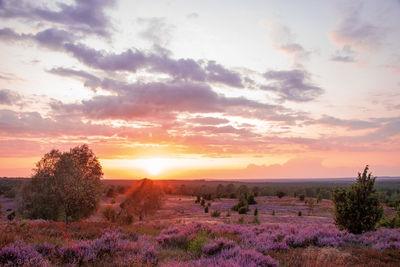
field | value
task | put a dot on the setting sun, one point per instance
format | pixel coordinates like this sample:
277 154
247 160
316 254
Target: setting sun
154 166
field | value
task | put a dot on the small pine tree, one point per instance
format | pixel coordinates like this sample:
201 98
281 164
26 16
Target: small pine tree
319 198
256 212
357 208
299 213
203 202
206 209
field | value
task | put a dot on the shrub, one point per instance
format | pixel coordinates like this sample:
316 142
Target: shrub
301 197
109 213
273 213
215 213
250 199
196 245
202 202
256 212
280 194
243 210
319 198
393 222
357 208
206 209
20 254
241 220
299 213
218 246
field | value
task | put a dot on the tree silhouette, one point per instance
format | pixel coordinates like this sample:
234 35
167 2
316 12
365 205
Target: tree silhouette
64 186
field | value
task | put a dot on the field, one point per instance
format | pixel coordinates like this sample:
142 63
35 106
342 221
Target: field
182 234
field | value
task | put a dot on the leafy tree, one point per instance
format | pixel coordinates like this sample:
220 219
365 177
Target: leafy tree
143 199
357 208
64 186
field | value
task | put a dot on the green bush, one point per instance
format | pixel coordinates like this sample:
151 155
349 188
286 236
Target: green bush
256 212
206 209
196 245
241 220
299 213
215 213
243 210
280 194
273 213
357 208
393 222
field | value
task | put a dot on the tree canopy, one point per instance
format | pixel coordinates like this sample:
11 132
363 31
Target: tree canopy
357 208
64 186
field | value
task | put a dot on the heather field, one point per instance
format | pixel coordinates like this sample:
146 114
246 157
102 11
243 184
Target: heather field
182 234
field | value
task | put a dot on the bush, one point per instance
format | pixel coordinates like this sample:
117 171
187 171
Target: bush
299 213
196 245
206 209
243 210
256 212
393 222
250 199
301 197
280 194
357 208
273 213
215 213
109 213
241 220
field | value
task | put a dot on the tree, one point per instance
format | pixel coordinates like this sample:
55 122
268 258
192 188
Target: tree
143 199
357 208
65 186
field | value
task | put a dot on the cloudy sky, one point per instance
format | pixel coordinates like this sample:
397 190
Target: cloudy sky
203 89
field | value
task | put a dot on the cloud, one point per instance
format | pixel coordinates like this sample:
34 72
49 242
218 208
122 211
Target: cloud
193 15
87 16
8 97
349 124
208 120
293 85
156 30
284 41
353 31
158 100
346 54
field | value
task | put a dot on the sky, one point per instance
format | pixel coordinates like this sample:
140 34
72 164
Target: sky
203 89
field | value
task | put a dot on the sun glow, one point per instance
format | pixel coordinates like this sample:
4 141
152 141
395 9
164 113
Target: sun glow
154 166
